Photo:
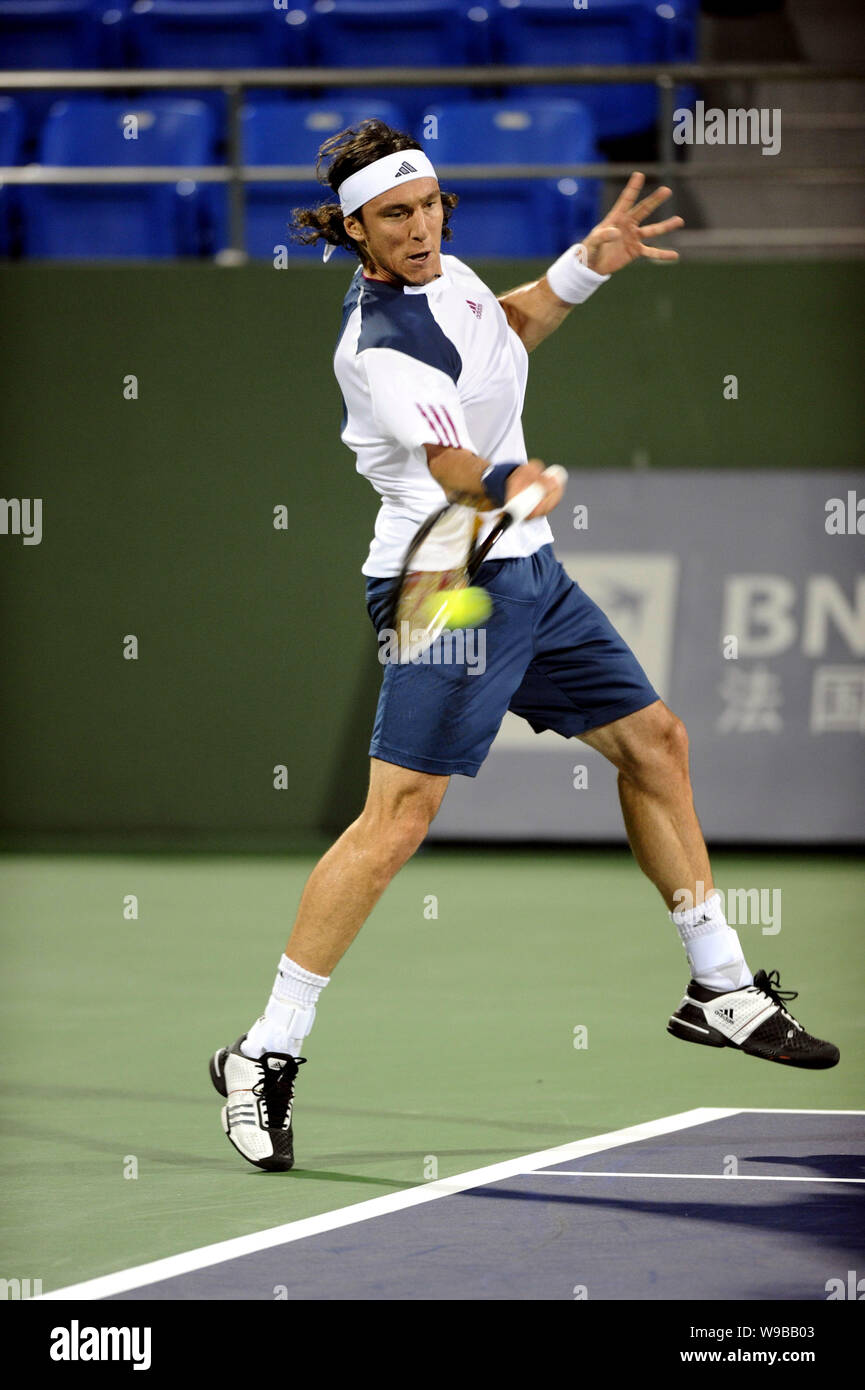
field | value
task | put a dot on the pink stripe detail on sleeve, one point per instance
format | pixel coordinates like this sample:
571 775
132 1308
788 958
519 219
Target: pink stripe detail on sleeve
435 425
453 427
453 442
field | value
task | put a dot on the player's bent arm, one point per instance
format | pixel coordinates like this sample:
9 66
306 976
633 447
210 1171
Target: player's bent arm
460 473
535 311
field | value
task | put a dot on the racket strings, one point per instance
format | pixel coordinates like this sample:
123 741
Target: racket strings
420 585
438 562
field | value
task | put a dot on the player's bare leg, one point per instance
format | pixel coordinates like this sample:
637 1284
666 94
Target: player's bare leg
724 1005
256 1074
348 881
650 749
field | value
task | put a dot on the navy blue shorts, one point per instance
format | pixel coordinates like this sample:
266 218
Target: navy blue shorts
547 653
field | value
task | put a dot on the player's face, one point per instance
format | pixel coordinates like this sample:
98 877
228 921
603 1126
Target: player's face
401 233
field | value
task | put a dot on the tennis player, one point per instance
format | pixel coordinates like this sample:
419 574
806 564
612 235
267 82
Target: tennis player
432 367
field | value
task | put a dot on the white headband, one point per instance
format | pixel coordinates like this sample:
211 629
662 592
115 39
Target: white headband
382 175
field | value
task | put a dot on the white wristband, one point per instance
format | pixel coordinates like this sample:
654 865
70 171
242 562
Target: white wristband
571 279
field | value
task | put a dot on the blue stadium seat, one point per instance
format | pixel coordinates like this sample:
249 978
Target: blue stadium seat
605 32
129 220
276 131
392 33
400 33
11 147
11 124
510 216
217 34
684 20
57 34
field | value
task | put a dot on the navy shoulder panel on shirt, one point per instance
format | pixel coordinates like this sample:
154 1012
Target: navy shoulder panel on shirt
349 304
391 319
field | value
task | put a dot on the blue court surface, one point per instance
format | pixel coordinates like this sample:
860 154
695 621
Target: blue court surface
705 1205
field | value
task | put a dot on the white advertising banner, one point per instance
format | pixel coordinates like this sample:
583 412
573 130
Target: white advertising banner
743 596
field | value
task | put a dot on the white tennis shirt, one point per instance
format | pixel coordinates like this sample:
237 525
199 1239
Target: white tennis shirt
436 363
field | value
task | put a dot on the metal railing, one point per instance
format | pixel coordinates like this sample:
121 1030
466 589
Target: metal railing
233 82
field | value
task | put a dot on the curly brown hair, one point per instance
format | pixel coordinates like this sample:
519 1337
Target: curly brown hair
347 152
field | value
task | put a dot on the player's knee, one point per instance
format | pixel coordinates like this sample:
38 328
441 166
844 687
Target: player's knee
668 752
415 826
405 835
662 756
400 828
676 745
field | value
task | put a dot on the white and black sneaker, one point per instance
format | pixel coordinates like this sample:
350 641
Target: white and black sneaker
259 1094
753 1020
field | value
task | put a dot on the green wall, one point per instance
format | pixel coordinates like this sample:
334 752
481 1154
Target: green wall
254 646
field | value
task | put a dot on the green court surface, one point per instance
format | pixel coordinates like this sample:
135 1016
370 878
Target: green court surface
444 1042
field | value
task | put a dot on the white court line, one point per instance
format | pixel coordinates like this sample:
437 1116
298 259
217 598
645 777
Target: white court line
125 1279
761 1110
206 1255
707 1177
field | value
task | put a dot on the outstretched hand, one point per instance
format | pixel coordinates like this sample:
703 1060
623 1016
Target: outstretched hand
620 239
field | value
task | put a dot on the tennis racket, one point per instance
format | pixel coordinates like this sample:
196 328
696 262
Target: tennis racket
444 554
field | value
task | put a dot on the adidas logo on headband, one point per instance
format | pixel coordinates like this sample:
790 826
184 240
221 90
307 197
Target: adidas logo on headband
379 176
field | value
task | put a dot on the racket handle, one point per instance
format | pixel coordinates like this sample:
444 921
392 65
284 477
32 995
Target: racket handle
519 507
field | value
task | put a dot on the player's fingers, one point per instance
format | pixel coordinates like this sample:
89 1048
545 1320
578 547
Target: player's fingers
535 472
654 253
628 195
555 493
647 205
523 477
527 474
660 228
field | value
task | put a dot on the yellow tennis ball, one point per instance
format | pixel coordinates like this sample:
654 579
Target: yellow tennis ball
463 607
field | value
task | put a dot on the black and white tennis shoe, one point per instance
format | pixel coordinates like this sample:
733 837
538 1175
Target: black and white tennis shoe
753 1020
259 1097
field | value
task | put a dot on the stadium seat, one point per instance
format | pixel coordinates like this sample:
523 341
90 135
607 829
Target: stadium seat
59 34
517 217
11 145
129 220
400 33
217 34
276 131
56 34
392 33
684 29
10 131
604 32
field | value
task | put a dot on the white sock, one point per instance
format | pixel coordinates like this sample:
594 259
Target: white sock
712 947
290 1012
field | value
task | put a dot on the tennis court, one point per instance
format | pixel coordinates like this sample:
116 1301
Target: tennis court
619 1213
452 1141
271 277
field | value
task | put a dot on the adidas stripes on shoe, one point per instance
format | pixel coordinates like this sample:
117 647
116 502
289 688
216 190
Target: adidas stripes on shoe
752 1020
259 1096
